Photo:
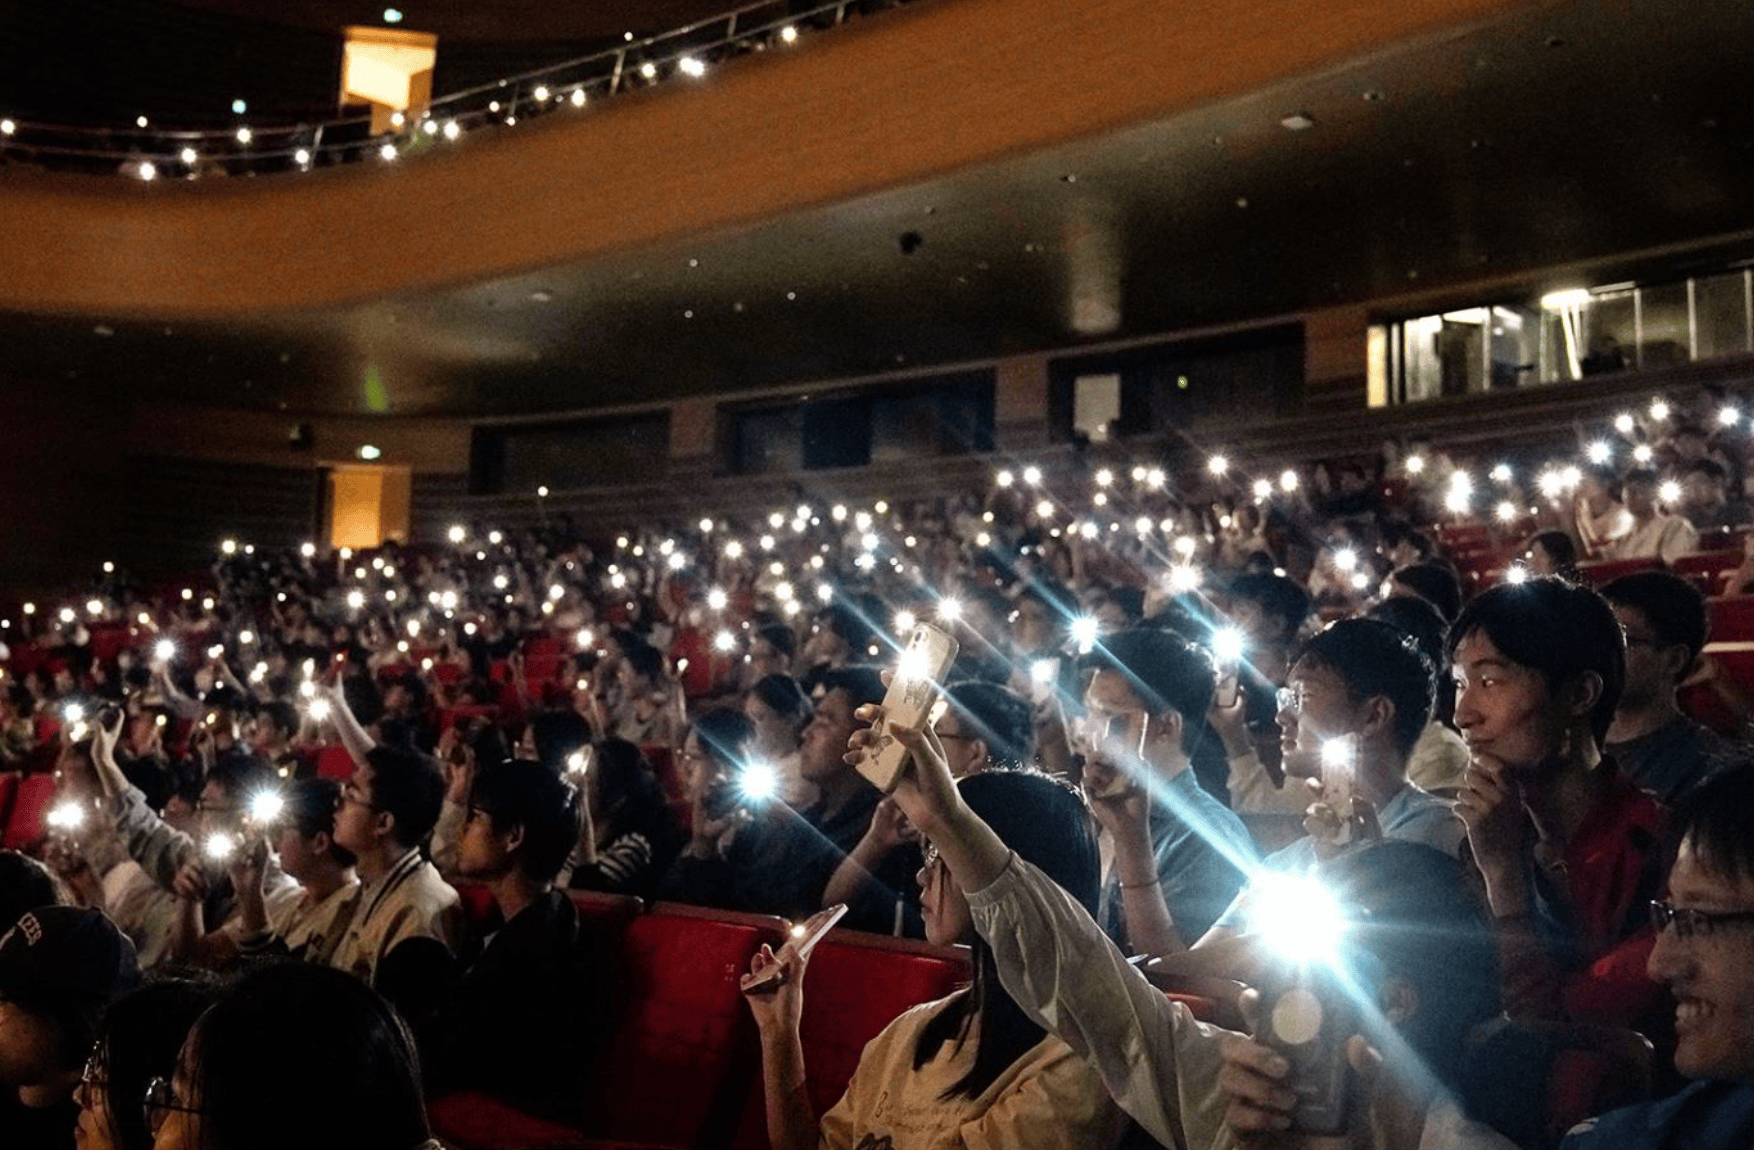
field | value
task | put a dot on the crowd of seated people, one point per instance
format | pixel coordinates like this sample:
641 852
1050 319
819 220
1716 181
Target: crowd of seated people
363 792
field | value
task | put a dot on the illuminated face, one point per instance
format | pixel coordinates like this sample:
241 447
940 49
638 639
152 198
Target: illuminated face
964 753
701 773
1114 707
825 739
175 1126
1314 706
942 904
1503 708
95 1129
774 737
1711 973
1652 666
1032 626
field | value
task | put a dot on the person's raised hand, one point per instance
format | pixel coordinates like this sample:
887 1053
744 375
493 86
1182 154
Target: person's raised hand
249 864
1490 805
926 792
1119 803
190 883
889 828
777 1007
1256 1082
106 735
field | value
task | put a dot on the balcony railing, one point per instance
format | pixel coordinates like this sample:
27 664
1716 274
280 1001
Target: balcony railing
573 87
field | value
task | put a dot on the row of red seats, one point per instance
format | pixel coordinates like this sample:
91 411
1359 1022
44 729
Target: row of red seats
681 1064
24 804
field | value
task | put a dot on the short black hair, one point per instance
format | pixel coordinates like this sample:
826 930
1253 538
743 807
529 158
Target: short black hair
558 734
528 794
1642 476
1558 628
1276 595
782 695
1557 544
861 684
645 660
410 787
849 624
1673 607
778 636
310 809
998 717
726 734
1167 672
141 1034
1710 468
1717 821
282 714
1376 658
1434 583
241 775
25 884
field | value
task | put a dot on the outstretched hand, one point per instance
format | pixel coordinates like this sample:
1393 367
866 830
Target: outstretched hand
926 792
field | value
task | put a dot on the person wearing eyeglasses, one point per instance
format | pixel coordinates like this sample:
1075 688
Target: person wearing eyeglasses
60 968
142 1033
293 1056
1704 955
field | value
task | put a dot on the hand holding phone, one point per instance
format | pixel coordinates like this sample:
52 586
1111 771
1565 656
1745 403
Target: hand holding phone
796 951
914 688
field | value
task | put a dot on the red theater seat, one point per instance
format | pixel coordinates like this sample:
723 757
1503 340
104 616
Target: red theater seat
855 985
30 802
1732 618
473 1121
1599 572
684 1051
334 763
1705 568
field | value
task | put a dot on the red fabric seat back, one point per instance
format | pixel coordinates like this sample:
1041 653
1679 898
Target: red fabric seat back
30 802
684 1051
471 1120
1732 618
1601 572
1704 568
8 789
856 985
334 763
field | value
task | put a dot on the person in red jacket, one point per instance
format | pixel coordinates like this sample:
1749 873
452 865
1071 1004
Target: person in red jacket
1571 852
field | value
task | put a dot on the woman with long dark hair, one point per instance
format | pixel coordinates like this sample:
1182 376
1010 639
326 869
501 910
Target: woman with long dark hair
294 1056
628 835
970 1069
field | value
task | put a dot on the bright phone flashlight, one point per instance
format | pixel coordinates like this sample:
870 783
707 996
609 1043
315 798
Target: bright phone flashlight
759 781
1298 918
266 807
220 846
1227 644
66 816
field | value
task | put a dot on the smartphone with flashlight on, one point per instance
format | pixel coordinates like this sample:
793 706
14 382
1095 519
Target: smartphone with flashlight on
1227 648
1116 737
913 691
800 941
1307 1017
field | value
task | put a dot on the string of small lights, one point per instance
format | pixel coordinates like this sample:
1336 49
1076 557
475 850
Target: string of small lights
145 152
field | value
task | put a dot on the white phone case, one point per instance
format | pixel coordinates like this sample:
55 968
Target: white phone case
913 692
798 945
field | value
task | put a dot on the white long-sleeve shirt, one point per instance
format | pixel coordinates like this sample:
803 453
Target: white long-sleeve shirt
1158 1062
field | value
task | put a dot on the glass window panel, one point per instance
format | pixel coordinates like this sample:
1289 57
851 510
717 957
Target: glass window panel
1664 338
1424 369
1609 332
1720 308
1514 344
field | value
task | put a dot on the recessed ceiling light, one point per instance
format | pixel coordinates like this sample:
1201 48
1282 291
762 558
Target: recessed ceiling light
1298 122
541 295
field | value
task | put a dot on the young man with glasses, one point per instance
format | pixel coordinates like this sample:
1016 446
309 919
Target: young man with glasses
1362 687
1704 955
60 968
385 817
1651 741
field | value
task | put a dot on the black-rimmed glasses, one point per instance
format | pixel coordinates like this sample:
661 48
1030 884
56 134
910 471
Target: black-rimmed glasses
161 1101
1690 923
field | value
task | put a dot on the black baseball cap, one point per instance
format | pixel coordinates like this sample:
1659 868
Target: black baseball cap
66 953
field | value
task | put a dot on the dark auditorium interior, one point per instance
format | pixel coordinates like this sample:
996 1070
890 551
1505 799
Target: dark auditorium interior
484 381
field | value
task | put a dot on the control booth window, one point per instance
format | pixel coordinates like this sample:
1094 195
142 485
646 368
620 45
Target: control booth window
1562 337
569 454
1165 386
892 423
